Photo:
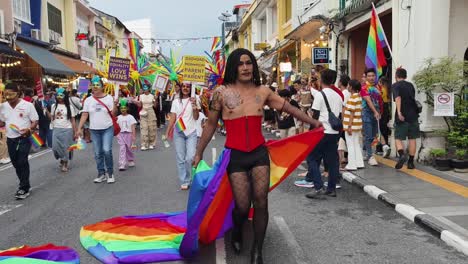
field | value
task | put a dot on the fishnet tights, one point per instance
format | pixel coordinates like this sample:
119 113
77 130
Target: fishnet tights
246 186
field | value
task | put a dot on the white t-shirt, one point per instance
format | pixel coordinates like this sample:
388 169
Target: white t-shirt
199 121
177 108
99 118
336 106
346 95
22 115
60 116
147 100
125 122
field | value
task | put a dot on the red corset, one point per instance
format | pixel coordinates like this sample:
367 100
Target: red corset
244 133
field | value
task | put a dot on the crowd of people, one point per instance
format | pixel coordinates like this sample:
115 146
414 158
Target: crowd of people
355 117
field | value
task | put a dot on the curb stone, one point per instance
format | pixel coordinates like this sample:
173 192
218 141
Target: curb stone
427 222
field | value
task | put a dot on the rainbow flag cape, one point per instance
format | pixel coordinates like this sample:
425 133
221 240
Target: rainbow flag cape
175 236
375 57
45 254
36 140
180 125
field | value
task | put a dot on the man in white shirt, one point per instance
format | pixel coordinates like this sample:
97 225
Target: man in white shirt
21 118
327 149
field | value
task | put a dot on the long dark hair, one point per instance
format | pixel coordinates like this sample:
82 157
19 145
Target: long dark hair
232 64
66 102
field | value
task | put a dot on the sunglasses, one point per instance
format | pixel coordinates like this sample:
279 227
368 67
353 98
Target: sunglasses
96 86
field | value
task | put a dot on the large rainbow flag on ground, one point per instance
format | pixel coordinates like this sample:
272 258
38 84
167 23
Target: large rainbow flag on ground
46 254
375 57
174 236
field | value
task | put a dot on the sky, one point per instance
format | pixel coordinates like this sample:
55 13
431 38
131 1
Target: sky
174 19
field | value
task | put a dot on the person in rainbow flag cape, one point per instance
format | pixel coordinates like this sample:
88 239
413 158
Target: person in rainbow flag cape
219 196
21 119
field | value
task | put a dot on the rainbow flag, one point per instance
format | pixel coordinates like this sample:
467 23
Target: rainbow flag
175 236
216 43
180 125
79 145
36 140
375 57
134 52
45 254
14 128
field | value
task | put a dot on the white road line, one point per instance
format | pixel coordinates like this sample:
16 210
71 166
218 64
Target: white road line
290 240
37 186
7 208
220 251
32 157
213 156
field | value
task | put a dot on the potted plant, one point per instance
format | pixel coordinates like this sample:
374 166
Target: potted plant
460 163
440 160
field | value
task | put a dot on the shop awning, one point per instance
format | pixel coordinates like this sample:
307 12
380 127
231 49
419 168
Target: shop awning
7 51
45 58
266 63
76 65
307 31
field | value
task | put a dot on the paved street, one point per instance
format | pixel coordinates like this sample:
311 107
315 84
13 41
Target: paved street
352 228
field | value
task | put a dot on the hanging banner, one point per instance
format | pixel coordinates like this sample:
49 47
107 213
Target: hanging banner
39 89
194 68
444 104
119 69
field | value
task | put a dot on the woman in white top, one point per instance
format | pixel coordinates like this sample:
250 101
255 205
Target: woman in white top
146 102
101 127
63 120
183 116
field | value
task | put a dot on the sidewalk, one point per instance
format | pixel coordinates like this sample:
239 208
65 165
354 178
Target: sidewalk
437 201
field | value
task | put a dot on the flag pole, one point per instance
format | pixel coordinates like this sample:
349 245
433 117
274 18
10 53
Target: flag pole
385 36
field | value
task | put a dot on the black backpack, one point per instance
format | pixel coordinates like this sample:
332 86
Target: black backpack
334 121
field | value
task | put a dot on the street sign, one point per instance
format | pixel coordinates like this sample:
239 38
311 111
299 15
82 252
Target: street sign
261 46
321 55
228 26
444 104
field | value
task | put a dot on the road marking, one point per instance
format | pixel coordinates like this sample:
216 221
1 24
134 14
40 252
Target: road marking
290 240
32 157
213 156
7 208
220 251
37 186
349 177
446 184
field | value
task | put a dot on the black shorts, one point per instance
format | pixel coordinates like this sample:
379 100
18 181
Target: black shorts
245 161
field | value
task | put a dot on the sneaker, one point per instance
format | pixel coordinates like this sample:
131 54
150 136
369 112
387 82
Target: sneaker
29 157
111 179
278 134
411 165
64 166
131 164
331 193
401 162
304 183
184 187
338 186
100 178
372 161
316 194
22 194
386 151
144 148
5 161
122 168
151 147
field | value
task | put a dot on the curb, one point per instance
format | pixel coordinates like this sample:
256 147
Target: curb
426 221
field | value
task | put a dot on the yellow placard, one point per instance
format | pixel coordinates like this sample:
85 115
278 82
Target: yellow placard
194 68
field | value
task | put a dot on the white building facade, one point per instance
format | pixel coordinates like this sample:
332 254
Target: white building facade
144 29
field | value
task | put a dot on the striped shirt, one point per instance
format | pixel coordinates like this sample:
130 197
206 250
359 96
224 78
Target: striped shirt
353 105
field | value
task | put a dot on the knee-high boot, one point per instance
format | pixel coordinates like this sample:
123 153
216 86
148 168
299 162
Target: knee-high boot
238 220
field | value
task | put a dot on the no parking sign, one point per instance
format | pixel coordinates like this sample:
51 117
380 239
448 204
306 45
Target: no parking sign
444 104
